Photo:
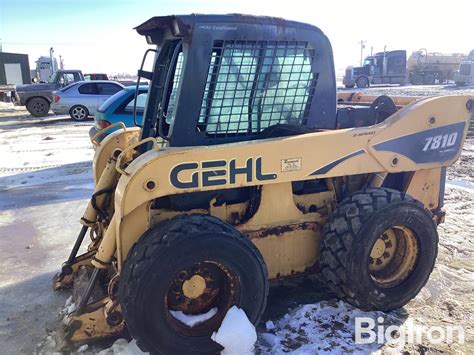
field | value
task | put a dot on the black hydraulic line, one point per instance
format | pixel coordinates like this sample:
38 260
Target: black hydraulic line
77 245
102 211
87 292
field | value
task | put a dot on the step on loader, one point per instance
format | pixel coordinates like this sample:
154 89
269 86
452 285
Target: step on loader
250 169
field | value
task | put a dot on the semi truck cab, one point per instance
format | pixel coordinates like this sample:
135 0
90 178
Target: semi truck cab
382 68
465 74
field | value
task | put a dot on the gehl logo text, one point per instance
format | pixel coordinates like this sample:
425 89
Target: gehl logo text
217 172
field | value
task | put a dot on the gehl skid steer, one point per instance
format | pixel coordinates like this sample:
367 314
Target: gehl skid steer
250 169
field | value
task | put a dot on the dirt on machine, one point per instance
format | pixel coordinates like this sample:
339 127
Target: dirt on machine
248 170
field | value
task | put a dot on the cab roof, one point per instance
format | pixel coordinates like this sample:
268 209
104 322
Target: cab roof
182 26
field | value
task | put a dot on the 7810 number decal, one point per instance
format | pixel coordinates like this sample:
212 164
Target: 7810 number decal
441 141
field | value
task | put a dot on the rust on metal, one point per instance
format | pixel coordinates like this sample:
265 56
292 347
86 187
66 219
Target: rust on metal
281 230
215 286
393 256
94 324
64 279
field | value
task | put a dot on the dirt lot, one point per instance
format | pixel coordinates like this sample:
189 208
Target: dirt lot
45 180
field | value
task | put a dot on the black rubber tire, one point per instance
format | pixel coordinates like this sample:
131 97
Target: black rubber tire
362 82
460 83
417 79
75 110
38 106
348 238
349 86
161 252
429 79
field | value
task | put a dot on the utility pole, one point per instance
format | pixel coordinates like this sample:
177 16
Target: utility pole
362 46
1 46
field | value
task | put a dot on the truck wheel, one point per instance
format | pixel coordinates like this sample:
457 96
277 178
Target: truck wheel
349 86
417 80
37 106
79 113
192 264
362 82
460 83
378 249
429 79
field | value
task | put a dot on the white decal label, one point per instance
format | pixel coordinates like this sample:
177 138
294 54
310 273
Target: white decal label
441 141
290 164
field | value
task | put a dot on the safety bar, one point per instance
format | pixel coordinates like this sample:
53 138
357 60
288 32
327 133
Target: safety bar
103 130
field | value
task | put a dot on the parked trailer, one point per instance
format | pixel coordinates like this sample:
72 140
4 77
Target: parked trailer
429 68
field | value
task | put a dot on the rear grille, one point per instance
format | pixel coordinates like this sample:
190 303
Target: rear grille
465 69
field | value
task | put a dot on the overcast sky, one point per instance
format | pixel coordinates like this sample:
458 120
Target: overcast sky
98 35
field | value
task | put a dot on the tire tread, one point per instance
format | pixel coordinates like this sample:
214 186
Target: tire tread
167 233
336 244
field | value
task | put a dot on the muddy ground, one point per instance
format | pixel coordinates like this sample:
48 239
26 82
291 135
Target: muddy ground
45 180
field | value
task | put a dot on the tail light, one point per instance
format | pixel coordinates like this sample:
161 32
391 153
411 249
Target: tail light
56 98
103 124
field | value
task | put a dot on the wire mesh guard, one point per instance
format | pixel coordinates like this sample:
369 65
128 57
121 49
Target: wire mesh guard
174 89
252 85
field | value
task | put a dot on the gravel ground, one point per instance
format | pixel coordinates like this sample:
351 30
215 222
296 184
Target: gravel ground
45 180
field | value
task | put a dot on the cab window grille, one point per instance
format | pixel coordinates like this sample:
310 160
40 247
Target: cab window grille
252 85
174 88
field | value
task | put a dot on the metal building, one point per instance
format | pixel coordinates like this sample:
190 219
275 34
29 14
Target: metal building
14 69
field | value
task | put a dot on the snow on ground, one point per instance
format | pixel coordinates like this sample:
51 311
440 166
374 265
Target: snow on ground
45 180
236 334
414 90
323 327
193 319
122 347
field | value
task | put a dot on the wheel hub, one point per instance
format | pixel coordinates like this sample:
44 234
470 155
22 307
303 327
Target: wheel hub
194 287
198 288
383 250
393 256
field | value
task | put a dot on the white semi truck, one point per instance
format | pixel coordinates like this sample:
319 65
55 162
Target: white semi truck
465 74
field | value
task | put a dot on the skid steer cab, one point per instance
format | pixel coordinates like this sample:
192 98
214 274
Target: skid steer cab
250 169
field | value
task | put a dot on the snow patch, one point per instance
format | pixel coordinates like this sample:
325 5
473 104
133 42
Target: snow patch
236 334
6 218
122 347
69 307
83 348
49 346
321 328
193 319
269 325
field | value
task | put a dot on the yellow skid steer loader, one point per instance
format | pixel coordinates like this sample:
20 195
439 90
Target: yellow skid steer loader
250 169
